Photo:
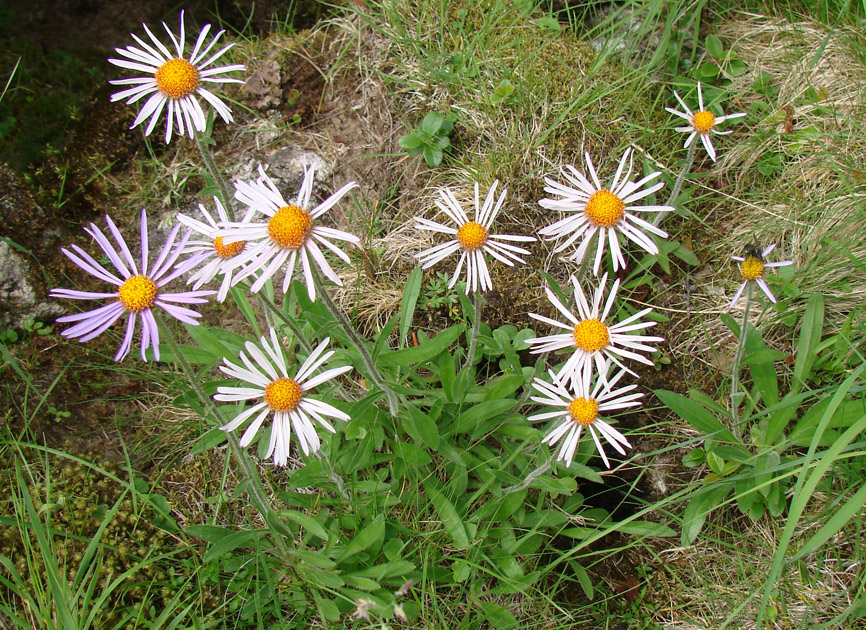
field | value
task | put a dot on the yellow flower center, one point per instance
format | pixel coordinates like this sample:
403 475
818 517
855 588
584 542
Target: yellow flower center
703 121
177 78
289 226
583 411
604 208
137 293
752 268
591 335
283 394
471 235
227 251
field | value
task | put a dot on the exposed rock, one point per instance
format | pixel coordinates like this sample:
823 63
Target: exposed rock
20 298
25 233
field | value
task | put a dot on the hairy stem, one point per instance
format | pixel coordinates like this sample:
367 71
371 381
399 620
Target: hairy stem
678 185
736 395
213 171
370 367
477 301
255 487
529 478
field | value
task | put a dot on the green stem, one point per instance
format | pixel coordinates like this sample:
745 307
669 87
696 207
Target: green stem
213 171
736 395
255 486
477 301
370 367
678 185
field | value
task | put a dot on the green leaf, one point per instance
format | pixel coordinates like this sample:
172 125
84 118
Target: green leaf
410 141
422 429
372 535
208 533
432 155
431 123
423 352
582 578
328 609
448 515
479 412
209 440
240 297
503 386
307 522
411 454
714 46
696 415
702 503
566 485
498 616
407 304
240 538
395 568
810 336
737 68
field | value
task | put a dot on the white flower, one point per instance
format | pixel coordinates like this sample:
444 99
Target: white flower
291 232
605 211
287 397
702 123
211 249
591 338
581 409
752 269
472 238
174 80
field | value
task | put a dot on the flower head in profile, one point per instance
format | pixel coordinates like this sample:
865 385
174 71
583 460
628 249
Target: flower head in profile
580 408
701 123
590 337
173 81
210 249
752 269
137 289
472 238
266 377
603 211
290 232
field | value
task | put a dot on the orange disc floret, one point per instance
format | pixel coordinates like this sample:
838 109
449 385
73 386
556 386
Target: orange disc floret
227 251
283 394
177 78
471 235
752 268
137 293
703 121
583 411
604 208
591 335
289 226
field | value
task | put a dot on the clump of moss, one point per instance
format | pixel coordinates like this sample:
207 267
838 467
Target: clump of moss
74 501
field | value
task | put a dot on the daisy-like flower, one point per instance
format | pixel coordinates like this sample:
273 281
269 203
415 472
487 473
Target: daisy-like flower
701 123
752 268
607 212
291 232
472 238
590 337
580 408
174 80
138 291
211 249
284 396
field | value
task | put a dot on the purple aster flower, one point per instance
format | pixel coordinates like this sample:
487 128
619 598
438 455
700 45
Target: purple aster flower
137 292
